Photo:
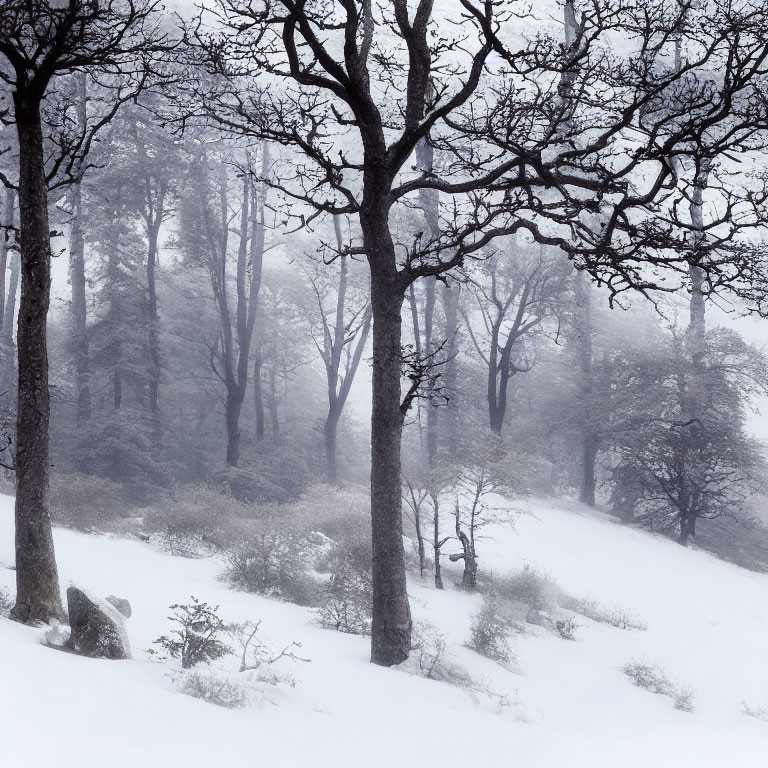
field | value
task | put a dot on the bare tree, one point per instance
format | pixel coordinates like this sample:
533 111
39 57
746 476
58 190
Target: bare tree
514 295
505 164
341 340
204 231
41 40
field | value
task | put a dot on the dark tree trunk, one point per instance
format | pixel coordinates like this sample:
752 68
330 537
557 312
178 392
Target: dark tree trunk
233 407
79 311
153 336
419 540
329 433
436 543
589 458
274 416
449 430
258 398
38 597
687 528
391 626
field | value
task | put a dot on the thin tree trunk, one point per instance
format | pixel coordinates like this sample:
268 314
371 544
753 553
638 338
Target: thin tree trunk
38 597
79 310
448 433
273 413
258 399
153 335
436 543
589 438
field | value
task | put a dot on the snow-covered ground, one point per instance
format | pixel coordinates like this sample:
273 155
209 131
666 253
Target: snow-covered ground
571 705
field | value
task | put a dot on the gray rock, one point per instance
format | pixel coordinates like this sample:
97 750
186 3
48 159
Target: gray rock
122 605
97 627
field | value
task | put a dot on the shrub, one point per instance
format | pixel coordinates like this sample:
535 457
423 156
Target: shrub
196 638
347 596
649 677
653 678
616 616
566 628
760 713
200 519
256 656
683 699
86 502
214 686
277 477
6 602
537 591
273 560
430 652
491 631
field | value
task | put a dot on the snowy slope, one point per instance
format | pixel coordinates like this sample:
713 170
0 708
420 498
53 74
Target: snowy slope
706 625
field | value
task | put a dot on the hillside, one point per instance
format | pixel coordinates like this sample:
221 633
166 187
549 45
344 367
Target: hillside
561 703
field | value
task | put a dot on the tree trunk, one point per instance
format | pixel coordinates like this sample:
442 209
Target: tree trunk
589 458
448 433
329 433
153 336
436 543
391 626
258 399
233 405
589 439
38 597
273 414
79 310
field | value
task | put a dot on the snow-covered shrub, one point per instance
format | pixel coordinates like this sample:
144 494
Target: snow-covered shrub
429 651
491 630
566 628
683 698
195 638
756 711
6 602
649 677
653 678
214 686
279 476
273 560
616 616
87 502
201 518
347 595
257 656
536 590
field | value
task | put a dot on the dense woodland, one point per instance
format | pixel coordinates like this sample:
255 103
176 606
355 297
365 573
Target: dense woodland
528 232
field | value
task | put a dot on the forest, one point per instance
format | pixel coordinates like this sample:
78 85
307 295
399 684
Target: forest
346 304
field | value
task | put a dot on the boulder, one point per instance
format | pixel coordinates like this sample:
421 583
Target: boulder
122 605
97 627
